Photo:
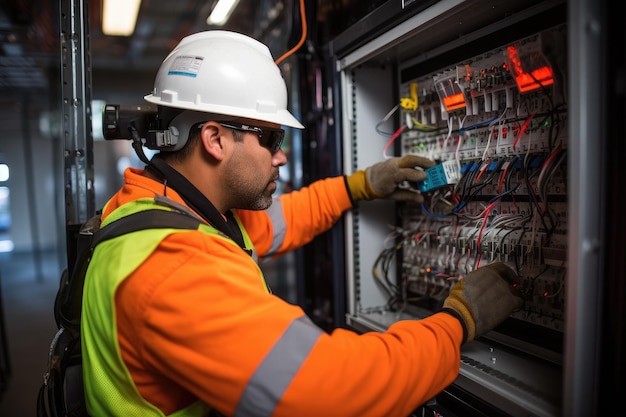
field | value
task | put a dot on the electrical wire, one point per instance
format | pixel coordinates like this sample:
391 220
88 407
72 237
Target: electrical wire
387 116
492 124
391 140
302 37
522 130
422 126
380 269
503 175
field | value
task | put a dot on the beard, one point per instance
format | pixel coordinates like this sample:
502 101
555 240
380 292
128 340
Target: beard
248 190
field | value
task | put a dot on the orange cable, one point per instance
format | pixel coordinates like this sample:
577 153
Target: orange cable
302 38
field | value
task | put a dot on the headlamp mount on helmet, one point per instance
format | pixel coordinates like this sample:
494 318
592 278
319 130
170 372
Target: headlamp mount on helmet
150 122
145 125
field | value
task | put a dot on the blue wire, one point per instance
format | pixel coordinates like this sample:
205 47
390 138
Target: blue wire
479 124
504 193
381 132
428 213
459 207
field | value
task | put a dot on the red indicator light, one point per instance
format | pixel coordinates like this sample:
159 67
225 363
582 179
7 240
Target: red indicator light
449 90
529 70
454 102
541 77
516 65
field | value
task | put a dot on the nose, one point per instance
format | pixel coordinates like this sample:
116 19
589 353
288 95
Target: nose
279 158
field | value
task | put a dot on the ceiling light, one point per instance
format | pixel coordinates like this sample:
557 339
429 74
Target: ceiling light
221 12
119 17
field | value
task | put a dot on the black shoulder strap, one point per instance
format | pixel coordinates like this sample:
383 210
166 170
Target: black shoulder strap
70 295
148 219
196 200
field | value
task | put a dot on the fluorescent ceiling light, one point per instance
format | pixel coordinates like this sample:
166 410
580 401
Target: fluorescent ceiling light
119 17
221 12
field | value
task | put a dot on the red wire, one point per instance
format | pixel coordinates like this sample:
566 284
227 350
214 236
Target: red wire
302 38
522 130
502 177
480 173
393 137
482 227
478 259
552 156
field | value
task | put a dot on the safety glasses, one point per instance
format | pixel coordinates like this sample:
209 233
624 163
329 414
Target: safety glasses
269 138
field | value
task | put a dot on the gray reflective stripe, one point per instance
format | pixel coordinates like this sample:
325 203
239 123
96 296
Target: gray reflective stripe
254 256
275 211
162 200
274 374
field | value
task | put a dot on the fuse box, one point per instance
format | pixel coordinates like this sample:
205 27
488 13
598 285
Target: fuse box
490 107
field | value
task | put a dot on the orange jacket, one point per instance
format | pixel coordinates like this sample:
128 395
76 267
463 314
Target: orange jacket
196 322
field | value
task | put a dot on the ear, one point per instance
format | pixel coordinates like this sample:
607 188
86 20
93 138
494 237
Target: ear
212 141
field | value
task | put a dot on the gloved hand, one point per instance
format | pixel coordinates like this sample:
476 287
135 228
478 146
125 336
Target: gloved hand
381 180
483 299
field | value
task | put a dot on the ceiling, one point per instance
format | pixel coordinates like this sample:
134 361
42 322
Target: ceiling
161 24
30 32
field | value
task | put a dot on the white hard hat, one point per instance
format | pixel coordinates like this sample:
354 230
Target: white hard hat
224 73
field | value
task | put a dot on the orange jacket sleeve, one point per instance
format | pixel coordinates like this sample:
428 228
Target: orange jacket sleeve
306 213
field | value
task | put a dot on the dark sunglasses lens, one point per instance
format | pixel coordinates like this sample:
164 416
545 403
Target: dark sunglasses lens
272 139
268 137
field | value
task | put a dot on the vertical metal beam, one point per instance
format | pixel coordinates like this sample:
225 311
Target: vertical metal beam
27 142
76 109
587 40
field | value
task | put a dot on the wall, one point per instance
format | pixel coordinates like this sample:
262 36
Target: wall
34 176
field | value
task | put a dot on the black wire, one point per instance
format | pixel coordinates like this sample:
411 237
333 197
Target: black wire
487 180
468 177
379 265
554 164
137 144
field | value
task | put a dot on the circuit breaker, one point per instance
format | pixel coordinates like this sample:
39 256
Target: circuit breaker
490 108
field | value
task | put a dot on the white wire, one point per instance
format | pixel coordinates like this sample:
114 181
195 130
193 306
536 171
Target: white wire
498 120
392 111
449 136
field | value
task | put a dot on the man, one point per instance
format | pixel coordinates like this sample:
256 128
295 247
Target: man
181 322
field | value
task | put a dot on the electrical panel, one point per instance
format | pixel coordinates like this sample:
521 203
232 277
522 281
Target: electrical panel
492 113
502 118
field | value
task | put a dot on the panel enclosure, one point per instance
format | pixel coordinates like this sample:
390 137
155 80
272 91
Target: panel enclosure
480 86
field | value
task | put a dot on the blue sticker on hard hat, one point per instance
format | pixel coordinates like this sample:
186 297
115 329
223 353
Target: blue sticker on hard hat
189 66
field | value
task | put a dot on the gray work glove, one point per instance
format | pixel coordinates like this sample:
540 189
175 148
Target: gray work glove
381 180
483 299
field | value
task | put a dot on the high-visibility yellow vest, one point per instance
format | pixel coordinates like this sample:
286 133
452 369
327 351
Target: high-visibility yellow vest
103 367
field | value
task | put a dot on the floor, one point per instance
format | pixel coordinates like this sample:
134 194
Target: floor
28 284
